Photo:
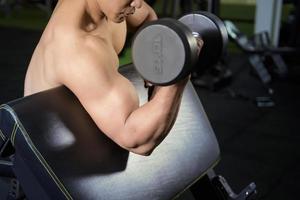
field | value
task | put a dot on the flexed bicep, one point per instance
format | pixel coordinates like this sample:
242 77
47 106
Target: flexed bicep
106 95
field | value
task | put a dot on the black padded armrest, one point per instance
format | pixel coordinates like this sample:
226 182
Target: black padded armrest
61 154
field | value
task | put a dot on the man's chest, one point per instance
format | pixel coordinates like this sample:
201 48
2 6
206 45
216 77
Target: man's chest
118 33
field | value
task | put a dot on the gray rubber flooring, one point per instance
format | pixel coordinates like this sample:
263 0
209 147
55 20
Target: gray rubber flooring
257 144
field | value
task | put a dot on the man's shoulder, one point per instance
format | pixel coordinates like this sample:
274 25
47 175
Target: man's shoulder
95 52
72 39
88 55
84 49
94 43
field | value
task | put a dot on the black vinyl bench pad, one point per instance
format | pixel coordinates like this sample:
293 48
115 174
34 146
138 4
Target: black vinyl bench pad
61 154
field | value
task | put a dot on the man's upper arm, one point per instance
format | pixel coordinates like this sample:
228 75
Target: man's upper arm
145 13
107 96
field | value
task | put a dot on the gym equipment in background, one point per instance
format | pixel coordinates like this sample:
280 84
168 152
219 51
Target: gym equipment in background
265 59
9 5
171 9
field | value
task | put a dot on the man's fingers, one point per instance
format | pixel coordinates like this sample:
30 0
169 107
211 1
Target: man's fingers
200 44
136 4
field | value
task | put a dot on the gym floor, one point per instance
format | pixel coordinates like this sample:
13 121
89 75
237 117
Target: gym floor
257 144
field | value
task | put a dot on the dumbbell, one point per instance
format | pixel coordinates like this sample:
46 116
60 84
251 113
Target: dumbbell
165 51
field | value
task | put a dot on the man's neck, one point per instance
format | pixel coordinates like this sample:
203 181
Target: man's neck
79 13
94 11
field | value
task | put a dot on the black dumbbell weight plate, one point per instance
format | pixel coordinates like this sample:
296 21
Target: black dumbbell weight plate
213 32
162 53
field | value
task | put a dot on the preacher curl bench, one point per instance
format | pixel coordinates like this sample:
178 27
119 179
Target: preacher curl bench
53 150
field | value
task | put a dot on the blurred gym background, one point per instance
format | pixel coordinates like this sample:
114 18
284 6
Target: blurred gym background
251 98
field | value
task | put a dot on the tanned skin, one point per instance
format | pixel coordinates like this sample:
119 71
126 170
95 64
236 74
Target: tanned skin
79 49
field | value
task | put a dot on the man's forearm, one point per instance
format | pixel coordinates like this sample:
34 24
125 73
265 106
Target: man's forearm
147 126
